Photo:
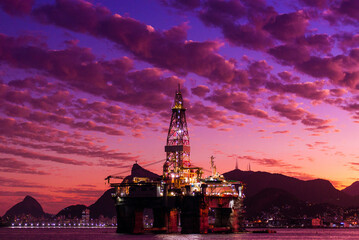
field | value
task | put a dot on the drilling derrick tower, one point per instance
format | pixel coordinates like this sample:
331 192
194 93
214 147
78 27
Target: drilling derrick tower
177 169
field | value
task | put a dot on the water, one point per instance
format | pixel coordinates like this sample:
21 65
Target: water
110 234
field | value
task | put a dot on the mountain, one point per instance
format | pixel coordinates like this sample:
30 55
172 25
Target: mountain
138 171
283 205
105 205
314 191
352 190
27 206
270 200
72 211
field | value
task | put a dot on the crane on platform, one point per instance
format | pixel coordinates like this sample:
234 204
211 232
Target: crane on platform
116 175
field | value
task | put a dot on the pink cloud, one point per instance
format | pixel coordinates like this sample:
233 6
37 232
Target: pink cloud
270 162
200 91
290 54
311 120
44 157
288 26
322 67
11 182
287 77
347 40
289 111
236 101
219 13
211 116
349 8
12 165
310 90
17 7
158 48
281 132
316 3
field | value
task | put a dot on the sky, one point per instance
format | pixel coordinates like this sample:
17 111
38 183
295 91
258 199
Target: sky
86 90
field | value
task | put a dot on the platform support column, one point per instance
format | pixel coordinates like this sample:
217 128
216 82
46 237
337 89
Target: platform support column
173 221
138 221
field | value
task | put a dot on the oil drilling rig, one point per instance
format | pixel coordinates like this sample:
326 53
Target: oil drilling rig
180 200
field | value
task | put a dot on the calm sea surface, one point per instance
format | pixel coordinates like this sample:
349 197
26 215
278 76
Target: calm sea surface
110 233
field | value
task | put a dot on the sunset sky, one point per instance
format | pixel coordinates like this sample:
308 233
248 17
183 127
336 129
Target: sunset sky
86 89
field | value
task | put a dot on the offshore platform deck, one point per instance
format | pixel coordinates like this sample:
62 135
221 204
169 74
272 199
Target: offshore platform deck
179 201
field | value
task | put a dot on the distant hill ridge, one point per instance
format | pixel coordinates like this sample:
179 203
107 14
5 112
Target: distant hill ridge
315 191
353 189
261 188
27 206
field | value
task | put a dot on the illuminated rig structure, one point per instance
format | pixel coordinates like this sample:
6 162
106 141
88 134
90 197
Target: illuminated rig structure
180 200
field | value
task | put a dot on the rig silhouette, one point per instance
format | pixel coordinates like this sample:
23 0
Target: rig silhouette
180 200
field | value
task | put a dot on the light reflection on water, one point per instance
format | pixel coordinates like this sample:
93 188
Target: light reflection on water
110 234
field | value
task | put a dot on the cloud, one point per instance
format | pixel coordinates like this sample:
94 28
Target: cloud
300 50
349 8
21 152
354 166
79 68
92 126
322 67
81 192
247 36
289 111
219 13
33 136
309 90
347 40
236 101
269 162
281 132
338 92
287 77
211 116
299 175
312 120
288 26
316 3
161 49
17 7
12 165
15 183
292 112
258 73
200 91
226 16
320 43
182 4
290 54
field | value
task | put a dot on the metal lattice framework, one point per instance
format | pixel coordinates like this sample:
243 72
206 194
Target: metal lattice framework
177 147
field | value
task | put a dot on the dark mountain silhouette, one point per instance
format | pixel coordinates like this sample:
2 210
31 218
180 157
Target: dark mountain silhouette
278 202
314 191
28 206
105 205
138 171
270 200
72 211
353 189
